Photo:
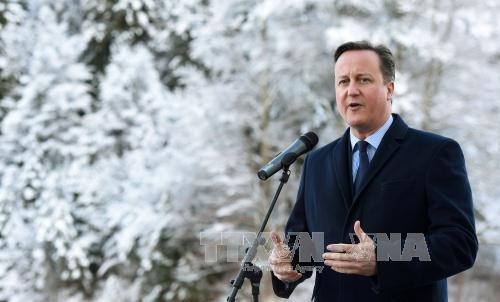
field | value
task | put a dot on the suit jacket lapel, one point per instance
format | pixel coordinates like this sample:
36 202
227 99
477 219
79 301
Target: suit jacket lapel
389 144
342 166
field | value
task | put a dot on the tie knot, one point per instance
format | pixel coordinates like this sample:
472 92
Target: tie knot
362 146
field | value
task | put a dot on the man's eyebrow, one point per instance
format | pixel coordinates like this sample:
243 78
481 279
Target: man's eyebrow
357 75
364 74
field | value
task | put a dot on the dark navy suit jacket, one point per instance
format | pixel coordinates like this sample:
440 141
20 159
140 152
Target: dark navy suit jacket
416 183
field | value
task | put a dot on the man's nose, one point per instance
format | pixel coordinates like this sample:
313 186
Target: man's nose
352 89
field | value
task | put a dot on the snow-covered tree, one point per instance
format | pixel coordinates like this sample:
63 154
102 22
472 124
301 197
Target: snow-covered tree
43 134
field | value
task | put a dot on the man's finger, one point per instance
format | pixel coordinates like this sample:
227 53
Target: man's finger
358 230
339 247
338 256
343 264
360 233
276 238
277 258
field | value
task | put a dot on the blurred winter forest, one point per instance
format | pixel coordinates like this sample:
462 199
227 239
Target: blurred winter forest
130 127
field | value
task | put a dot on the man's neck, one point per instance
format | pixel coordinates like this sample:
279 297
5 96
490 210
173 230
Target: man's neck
362 135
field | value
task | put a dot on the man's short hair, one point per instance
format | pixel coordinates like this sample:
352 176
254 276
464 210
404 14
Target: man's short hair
387 65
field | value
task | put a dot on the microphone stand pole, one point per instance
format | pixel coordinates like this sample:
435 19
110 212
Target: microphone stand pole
248 269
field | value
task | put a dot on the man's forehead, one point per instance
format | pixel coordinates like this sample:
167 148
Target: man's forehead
357 62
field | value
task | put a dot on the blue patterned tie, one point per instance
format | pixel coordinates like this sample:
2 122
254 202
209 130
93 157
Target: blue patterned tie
363 166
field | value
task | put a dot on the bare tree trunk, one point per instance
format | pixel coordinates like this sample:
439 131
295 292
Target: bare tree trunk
436 68
265 101
431 88
459 281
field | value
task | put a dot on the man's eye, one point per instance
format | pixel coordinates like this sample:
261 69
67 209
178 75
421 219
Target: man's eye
365 80
342 82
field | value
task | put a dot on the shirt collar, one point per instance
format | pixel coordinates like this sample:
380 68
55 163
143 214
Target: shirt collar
375 138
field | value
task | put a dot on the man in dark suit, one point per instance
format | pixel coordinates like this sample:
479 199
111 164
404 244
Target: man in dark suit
407 188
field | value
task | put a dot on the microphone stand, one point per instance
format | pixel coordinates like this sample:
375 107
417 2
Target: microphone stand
248 269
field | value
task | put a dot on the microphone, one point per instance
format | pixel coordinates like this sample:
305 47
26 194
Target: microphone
300 146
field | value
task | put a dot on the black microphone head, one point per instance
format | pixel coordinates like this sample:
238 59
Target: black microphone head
310 139
285 158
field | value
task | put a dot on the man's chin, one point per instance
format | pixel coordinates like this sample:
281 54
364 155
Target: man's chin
356 122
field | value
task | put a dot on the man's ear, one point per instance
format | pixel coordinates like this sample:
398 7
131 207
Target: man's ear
390 90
